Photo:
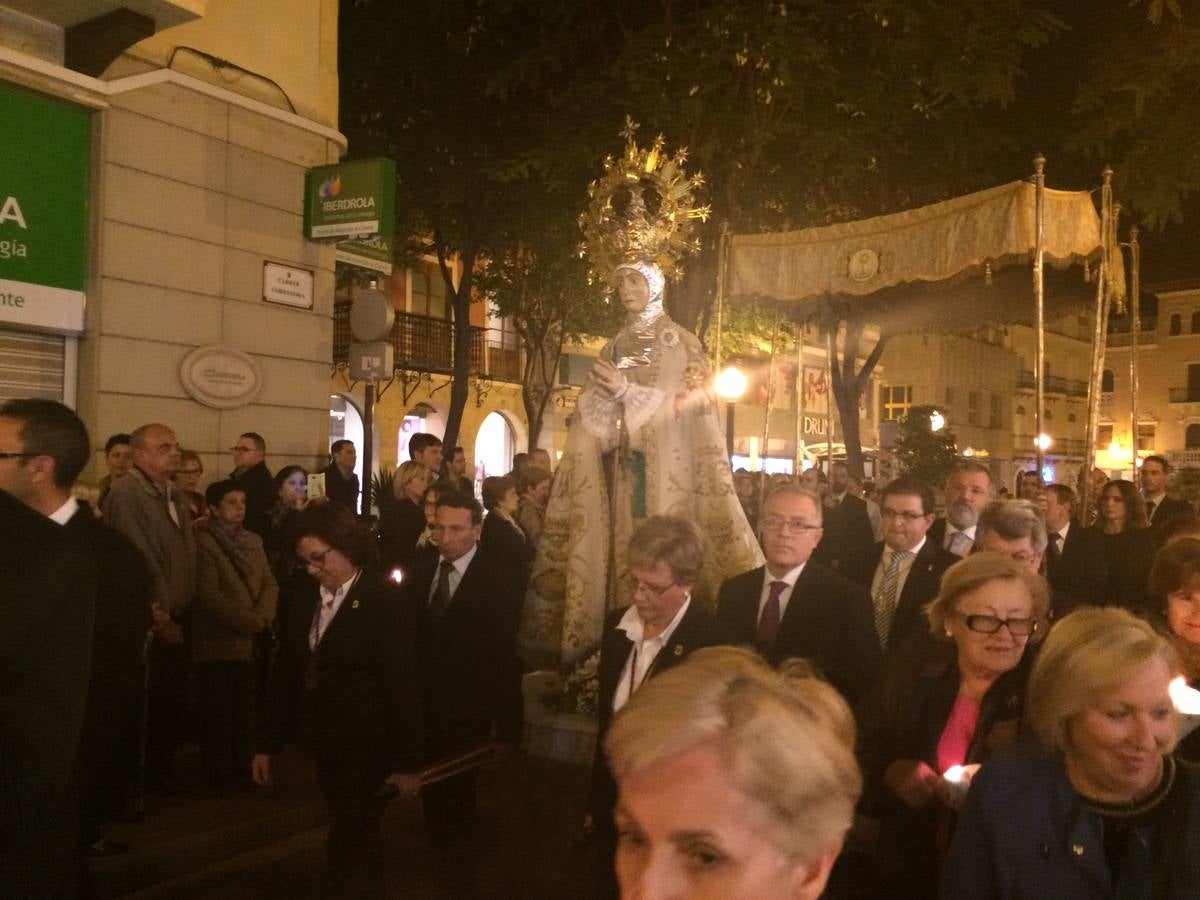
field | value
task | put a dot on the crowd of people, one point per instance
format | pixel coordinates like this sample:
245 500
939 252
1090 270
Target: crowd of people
900 705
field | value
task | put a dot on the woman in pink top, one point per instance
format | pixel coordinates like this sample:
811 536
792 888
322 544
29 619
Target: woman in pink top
947 699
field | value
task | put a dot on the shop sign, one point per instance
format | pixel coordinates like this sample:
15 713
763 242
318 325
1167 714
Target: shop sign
45 147
350 200
373 253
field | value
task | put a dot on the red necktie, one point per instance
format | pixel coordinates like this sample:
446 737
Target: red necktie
768 622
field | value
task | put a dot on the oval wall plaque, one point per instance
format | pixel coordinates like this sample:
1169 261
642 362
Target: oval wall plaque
221 377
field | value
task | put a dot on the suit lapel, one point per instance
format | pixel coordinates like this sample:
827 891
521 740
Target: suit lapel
346 611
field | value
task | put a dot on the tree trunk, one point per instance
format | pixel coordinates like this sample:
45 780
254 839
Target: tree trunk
460 380
542 354
848 386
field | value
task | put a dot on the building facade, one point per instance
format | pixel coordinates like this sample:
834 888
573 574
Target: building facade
197 122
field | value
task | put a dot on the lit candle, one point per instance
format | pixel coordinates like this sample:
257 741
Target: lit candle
1187 703
396 576
959 777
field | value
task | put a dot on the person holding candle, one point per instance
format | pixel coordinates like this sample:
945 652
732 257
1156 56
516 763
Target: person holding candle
1097 805
949 697
1175 594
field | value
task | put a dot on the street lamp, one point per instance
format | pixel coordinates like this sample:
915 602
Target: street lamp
731 384
936 421
1043 442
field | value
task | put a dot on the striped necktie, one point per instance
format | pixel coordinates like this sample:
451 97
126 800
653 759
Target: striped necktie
885 602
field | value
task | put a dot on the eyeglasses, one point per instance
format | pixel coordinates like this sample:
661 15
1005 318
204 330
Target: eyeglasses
18 455
903 515
317 559
652 589
991 624
243 449
779 523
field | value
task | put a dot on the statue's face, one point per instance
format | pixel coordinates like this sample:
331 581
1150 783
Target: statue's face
633 290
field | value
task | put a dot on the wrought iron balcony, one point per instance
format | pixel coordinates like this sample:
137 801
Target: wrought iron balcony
1185 395
1025 379
425 344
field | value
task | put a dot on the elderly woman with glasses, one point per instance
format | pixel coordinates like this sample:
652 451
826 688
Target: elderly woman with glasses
1097 805
350 649
654 633
947 699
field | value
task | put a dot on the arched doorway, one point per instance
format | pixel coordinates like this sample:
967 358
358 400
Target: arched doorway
345 423
495 445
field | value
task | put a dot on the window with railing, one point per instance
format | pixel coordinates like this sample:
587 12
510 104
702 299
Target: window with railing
428 294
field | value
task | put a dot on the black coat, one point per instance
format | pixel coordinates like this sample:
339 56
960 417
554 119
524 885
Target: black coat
1167 510
400 525
847 532
341 490
261 492
47 610
505 544
470 673
696 629
364 708
829 621
921 586
124 584
1132 554
1078 573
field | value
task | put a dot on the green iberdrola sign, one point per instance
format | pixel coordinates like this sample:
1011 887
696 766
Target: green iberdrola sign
44 150
371 253
350 200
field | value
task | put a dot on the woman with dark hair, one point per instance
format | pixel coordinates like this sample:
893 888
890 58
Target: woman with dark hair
234 603
502 538
1175 598
1128 541
291 496
350 646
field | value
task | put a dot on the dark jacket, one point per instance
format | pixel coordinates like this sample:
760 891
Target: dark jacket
400 525
115 685
341 490
1078 573
847 532
1025 834
920 587
829 621
903 718
363 704
470 673
47 610
1132 553
1167 510
505 544
260 489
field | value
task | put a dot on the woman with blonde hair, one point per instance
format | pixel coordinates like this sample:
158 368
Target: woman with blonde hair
1097 806
753 767
948 698
402 516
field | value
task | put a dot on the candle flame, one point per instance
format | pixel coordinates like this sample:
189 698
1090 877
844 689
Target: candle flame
954 774
396 576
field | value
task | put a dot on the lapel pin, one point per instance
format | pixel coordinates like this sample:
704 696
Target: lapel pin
354 605
679 649
1077 849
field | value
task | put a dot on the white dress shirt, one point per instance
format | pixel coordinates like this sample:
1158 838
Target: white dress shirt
951 531
789 577
643 653
63 514
459 568
331 602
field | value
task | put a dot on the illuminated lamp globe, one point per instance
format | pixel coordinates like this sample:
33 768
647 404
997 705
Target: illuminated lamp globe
731 383
936 421
1043 442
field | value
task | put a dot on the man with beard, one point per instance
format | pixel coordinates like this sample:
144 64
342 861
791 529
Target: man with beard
968 491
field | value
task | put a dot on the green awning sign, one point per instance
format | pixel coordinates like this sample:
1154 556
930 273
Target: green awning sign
350 200
45 147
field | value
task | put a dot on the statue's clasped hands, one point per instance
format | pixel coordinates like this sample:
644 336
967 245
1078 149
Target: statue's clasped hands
608 379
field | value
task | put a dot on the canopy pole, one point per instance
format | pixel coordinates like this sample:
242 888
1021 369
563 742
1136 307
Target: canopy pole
722 264
1135 312
798 464
831 345
766 432
1099 336
1039 299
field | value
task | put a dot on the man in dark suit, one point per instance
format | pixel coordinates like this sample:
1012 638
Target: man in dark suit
470 676
341 483
968 490
1160 509
794 606
903 571
47 609
43 483
847 525
1076 565
251 472
656 632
